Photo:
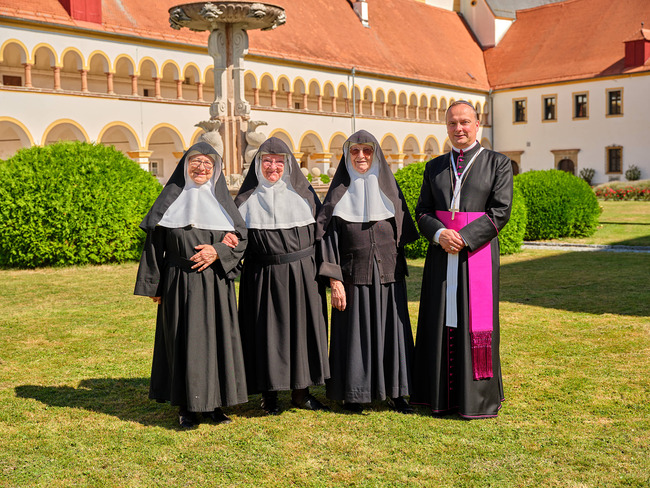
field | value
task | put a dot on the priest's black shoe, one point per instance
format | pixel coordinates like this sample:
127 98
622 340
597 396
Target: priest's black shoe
353 407
400 405
187 420
270 403
217 416
310 402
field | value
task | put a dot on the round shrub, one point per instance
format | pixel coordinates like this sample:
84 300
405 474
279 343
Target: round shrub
72 203
511 236
559 204
409 180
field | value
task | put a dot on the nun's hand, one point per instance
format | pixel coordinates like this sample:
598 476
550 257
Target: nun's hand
205 257
338 294
157 300
230 240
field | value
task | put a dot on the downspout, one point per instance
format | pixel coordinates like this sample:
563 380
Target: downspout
354 104
491 114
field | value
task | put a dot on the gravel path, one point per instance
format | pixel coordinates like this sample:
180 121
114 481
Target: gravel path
584 247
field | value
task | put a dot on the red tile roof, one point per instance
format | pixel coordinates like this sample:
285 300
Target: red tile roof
406 38
573 40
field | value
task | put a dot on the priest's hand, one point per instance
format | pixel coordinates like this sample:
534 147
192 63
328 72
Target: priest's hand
230 240
157 300
205 257
451 241
338 294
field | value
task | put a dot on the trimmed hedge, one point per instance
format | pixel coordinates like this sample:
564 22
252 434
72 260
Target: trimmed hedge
510 238
559 204
72 203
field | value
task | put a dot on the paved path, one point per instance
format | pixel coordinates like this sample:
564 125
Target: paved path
584 247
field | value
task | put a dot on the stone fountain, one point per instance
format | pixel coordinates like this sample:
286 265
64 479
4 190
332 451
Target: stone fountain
227 23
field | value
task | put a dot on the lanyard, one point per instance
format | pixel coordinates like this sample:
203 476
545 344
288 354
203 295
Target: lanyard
455 201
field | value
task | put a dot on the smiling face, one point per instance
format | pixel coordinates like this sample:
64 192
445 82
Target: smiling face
361 157
462 126
200 168
272 166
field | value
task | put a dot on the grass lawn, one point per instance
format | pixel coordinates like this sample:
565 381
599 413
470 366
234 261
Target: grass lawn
621 223
75 352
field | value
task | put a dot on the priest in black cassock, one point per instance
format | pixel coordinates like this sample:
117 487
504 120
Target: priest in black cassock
195 240
282 309
364 225
464 203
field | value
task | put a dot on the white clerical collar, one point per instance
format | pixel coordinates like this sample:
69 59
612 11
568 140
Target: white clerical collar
465 149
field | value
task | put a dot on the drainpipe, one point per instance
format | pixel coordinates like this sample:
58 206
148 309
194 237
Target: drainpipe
354 103
491 114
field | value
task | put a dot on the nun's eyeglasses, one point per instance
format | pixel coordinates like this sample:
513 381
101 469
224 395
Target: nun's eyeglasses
206 164
366 151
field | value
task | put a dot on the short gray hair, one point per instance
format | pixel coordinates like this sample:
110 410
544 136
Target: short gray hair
462 102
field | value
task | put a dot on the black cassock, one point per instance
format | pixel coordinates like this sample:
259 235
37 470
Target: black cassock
197 359
282 312
442 372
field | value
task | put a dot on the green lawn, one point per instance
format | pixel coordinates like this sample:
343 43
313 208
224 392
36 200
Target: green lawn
621 223
75 352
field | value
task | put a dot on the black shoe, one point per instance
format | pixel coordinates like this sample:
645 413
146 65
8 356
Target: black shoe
217 416
353 407
400 405
310 402
187 420
270 403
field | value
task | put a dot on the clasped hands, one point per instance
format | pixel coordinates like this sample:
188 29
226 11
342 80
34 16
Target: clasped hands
451 241
206 256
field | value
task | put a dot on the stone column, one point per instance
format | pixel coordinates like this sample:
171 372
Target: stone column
334 104
28 75
360 107
256 97
84 80
57 77
372 107
109 84
134 85
347 105
322 161
156 85
141 157
305 101
199 91
289 99
179 89
274 103
395 111
417 112
383 109
427 113
320 103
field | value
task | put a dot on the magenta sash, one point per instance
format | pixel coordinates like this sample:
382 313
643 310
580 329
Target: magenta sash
479 265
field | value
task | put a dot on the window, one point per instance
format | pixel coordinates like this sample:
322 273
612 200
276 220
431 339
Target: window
580 105
519 108
145 92
614 159
549 111
615 102
8 80
153 168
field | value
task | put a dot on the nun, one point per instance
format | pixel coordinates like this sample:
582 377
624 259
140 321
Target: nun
362 228
282 309
195 240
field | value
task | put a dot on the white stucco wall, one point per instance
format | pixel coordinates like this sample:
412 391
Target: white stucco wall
591 135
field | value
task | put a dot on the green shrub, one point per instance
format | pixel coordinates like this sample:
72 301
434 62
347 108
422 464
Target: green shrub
512 235
559 204
72 203
633 173
409 180
587 174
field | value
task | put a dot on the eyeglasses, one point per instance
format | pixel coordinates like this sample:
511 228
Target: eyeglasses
367 151
269 164
206 164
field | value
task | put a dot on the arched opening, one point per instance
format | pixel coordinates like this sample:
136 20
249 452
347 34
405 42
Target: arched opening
169 82
309 145
123 82
70 72
515 167
14 57
42 74
121 138
411 151
314 99
98 67
12 138
336 149
431 148
267 92
191 83
64 131
163 143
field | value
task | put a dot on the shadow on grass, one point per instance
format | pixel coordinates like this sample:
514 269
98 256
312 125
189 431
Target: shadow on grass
124 398
127 399
588 282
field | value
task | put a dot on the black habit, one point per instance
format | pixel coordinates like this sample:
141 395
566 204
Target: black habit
282 308
371 343
443 375
197 360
